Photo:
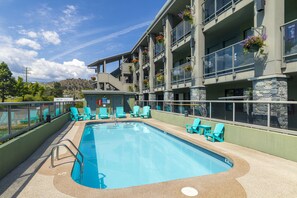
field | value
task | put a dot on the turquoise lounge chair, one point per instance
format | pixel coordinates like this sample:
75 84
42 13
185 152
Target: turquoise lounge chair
146 112
194 128
75 116
135 112
120 112
217 134
90 115
103 113
33 117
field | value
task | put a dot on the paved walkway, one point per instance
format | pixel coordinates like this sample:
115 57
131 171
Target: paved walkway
255 174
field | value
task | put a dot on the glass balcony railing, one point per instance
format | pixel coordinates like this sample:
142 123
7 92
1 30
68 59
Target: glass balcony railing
229 60
159 48
159 80
145 60
181 73
213 8
289 31
182 30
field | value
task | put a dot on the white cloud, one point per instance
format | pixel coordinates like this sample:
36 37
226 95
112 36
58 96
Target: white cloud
51 37
102 39
32 34
30 43
41 69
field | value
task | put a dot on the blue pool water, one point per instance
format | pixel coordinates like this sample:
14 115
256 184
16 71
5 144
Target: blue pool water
134 153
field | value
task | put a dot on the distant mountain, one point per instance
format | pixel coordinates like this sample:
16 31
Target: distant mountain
74 86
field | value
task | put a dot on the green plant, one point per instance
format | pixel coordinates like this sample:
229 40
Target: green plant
188 68
187 15
145 52
145 81
160 38
160 77
254 44
130 88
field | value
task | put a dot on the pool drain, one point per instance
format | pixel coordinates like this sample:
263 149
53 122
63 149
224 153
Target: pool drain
189 191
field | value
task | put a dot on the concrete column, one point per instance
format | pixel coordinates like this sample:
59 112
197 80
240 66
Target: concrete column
168 54
271 18
98 71
198 93
122 73
198 50
134 75
104 71
168 95
140 61
152 63
152 96
271 88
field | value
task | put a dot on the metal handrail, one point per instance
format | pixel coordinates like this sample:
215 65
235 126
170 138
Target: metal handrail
225 101
82 156
185 26
75 156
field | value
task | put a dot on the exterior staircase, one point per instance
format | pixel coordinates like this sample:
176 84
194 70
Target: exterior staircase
114 82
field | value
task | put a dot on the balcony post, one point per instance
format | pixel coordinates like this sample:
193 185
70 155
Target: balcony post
152 63
140 61
168 53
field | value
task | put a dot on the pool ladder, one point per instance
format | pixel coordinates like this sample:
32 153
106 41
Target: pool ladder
56 148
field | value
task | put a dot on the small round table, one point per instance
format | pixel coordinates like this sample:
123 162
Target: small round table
206 129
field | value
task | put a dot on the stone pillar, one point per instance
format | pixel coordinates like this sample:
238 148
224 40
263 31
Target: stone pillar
140 61
152 63
272 88
198 49
168 54
198 93
152 96
134 76
168 95
98 83
104 71
269 22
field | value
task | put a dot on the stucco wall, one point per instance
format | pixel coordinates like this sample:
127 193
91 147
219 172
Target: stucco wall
281 145
17 150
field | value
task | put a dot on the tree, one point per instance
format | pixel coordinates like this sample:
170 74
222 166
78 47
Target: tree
21 88
58 91
34 88
7 82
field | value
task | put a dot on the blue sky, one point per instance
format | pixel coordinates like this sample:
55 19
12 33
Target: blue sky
57 39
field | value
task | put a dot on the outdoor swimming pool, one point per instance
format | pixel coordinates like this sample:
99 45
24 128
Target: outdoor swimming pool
133 153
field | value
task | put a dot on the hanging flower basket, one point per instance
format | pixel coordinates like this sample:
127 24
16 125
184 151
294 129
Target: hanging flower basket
145 52
160 77
187 15
135 61
145 81
160 38
188 68
93 78
254 44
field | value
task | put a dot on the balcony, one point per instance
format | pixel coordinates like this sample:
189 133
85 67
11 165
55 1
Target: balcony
145 60
159 83
159 49
181 31
211 9
180 75
228 60
289 33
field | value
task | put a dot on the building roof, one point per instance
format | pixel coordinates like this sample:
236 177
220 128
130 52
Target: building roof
95 92
109 59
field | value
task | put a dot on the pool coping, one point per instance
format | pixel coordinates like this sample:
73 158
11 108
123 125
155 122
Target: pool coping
225 181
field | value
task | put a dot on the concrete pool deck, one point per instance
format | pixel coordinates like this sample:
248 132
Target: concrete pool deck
255 174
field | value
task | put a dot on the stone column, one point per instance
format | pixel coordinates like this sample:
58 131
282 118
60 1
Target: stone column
152 96
140 61
198 93
104 71
134 76
168 95
269 22
152 63
198 49
271 88
98 83
168 54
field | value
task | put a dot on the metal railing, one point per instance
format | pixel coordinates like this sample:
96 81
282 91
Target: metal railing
145 60
211 9
231 59
159 49
289 33
182 30
19 117
278 115
180 74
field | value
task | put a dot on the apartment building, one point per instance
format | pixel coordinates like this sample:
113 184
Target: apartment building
204 58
